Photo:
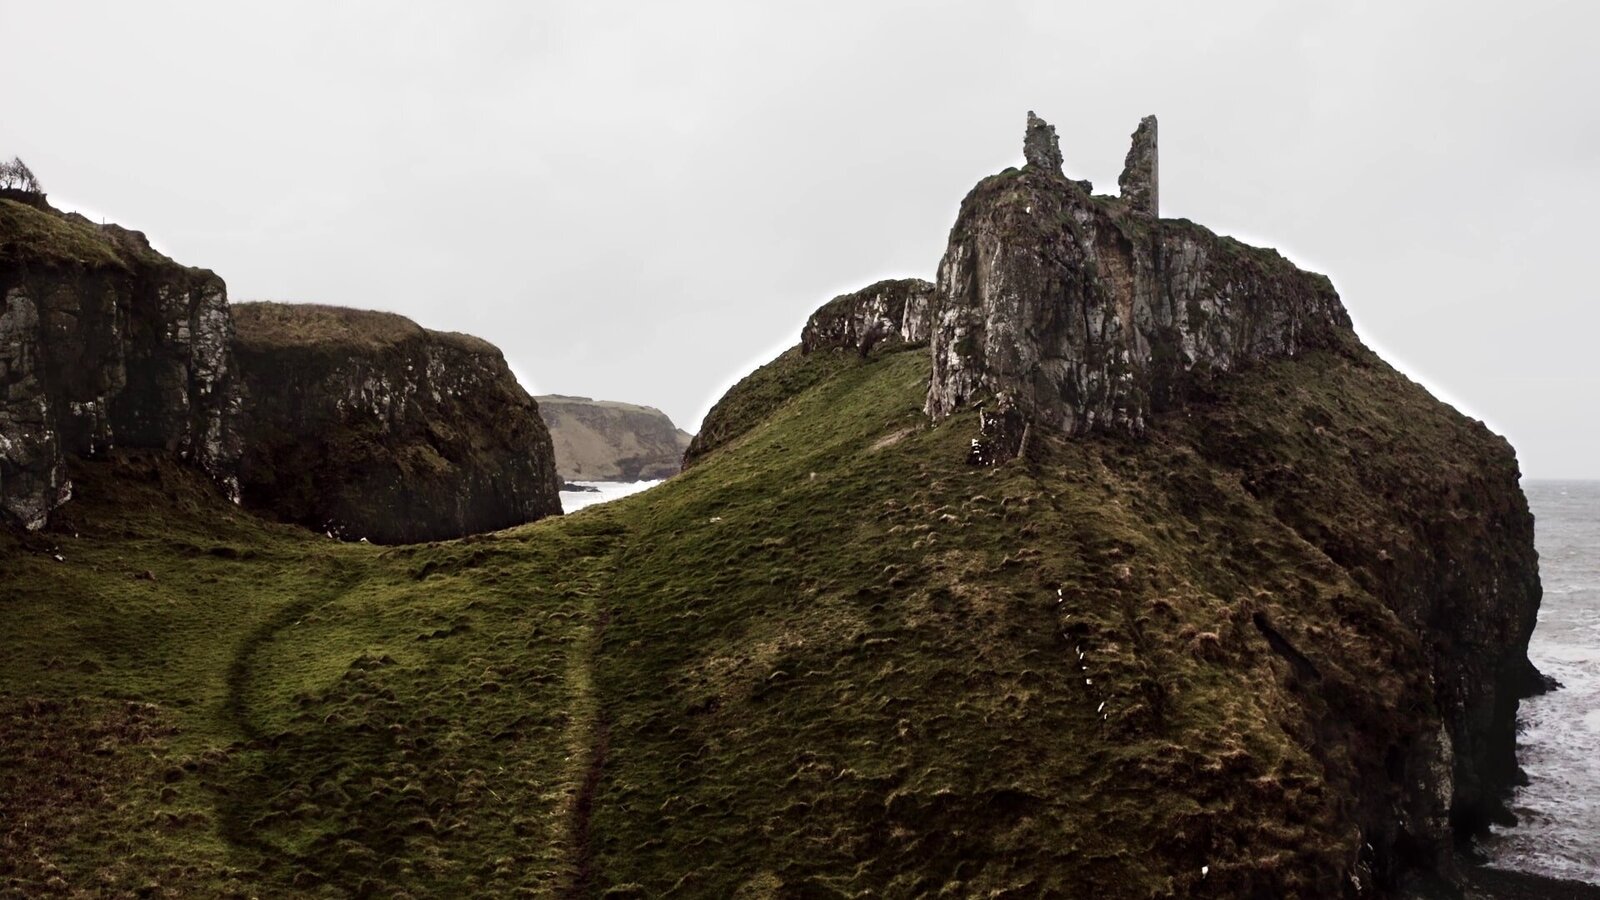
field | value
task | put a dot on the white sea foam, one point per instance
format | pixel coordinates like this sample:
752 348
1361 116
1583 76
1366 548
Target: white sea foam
1558 812
572 501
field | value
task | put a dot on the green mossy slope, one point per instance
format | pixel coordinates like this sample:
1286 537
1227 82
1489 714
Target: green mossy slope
830 660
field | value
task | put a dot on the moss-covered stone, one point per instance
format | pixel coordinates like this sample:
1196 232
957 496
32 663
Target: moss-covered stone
365 425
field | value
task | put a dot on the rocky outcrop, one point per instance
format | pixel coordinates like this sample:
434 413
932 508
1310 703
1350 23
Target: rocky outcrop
104 343
361 424
1140 180
1088 313
890 310
365 425
892 313
1066 314
603 440
1041 149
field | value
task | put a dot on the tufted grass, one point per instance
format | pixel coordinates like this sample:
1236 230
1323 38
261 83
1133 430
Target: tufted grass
38 236
829 660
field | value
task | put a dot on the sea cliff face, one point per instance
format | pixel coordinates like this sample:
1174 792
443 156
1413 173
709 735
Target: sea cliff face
358 424
604 440
104 343
365 425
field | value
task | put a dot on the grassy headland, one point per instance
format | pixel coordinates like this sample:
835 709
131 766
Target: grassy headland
829 660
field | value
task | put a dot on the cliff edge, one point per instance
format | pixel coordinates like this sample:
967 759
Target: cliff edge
104 343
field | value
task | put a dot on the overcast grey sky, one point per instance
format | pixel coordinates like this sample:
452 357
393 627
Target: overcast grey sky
643 201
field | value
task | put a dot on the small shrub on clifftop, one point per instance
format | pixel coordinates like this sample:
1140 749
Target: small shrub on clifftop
16 175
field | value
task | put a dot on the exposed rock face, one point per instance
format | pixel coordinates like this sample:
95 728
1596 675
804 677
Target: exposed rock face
603 440
1140 173
1074 314
103 343
895 309
1086 314
1040 146
366 425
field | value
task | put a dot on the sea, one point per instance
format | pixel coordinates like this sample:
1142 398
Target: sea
572 501
1558 741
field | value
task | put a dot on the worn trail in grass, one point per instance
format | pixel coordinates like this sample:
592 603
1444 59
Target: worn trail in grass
829 660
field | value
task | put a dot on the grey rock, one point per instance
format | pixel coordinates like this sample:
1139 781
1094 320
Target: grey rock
1040 146
1087 316
1140 180
891 310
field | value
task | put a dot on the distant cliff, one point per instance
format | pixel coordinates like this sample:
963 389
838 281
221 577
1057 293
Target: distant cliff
603 440
104 343
365 424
